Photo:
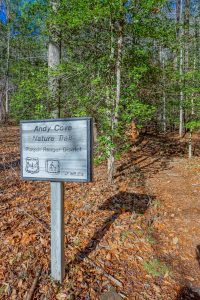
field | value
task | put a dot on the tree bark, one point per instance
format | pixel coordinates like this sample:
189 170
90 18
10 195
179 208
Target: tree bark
2 110
162 62
111 159
195 63
187 62
190 145
7 63
54 59
181 111
118 71
187 32
180 35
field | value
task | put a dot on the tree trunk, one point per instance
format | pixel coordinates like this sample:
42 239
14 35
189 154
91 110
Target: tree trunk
111 159
181 110
118 72
195 63
7 62
54 58
187 32
187 61
190 145
2 110
162 62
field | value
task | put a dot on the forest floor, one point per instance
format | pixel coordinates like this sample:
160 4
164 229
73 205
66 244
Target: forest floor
139 237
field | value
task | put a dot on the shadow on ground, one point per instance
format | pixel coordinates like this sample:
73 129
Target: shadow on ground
189 293
151 154
118 204
10 165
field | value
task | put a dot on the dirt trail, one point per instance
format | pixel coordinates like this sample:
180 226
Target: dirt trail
177 192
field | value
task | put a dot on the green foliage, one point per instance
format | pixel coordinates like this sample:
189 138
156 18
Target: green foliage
140 112
156 268
29 101
88 33
157 204
125 234
150 239
106 145
193 125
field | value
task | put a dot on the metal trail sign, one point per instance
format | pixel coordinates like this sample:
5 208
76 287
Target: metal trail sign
58 150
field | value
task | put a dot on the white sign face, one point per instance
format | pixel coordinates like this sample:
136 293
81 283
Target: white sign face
57 150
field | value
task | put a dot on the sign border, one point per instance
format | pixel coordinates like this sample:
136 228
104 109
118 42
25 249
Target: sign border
89 150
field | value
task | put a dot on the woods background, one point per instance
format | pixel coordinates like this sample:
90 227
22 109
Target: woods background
121 62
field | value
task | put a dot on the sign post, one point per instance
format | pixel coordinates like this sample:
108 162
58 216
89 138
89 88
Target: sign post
57 231
58 150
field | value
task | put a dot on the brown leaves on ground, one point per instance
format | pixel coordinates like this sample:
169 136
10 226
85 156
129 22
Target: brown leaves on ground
128 237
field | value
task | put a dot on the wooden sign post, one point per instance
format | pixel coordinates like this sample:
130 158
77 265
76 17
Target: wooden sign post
58 150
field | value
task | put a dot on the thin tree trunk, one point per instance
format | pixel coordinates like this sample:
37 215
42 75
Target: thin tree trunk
187 32
177 52
2 112
187 60
173 126
7 77
194 70
7 63
118 73
162 62
111 160
54 58
195 63
164 113
190 145
181 110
